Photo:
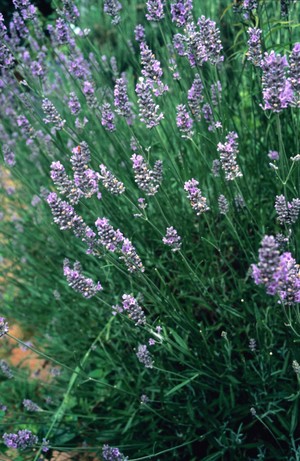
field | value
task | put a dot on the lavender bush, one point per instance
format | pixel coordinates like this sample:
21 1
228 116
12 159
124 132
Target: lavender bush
149 226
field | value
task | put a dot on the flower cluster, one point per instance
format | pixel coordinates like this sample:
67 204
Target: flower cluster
74 104
52 116
184 121
112 454
172 239
228 153
112 8
121 101
295 73
114 241
223 204
4 367
79 282
151 70
146 179
181 12
155 10
278 272
3 327
148 110
277 89
107 117
254 53
29 405
85 179
110 182
21 440
195 97
287 212
144 356
63 183
133 310
198 202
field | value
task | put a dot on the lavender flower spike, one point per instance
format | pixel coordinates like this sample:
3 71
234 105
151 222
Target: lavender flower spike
79 282
3 327
172 239
288 212
107 117
112 454
121 101
146 179
29 405
21 440
110 182
148 110
144 356
52 116
277 89
133 310
295 73
181 12
195 97
155 10
184 121
228 153
112 8
198 202
254 53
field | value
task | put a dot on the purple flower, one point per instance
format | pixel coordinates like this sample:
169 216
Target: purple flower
63 183
29 405
295 73
279 273
133 310
216 167
139 33
109 238
287 212
21 440
228 153
172 239
3 327
85 179
3 28
277 89
52 116
89 92
79 282
151 69
4 367
195 97
110 182
155 10
273 155
107 117
198 202
9 156
144 356
147 180
112 454
112 8
254 53
184 121
209 118
74 104
28 11
148 110
223 204
70 10
121 100
181 12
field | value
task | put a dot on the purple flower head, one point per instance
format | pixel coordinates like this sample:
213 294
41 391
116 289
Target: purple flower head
181 12
147 180
109 238
195 97
52 116
21 440
110 182
287 212
89 92
223 204
198 202
273 155
63 183
112 454
3 327
121 100
29 405
295 73
148 110
74 104
3 28
70 10
184 121
27 9
4 367
133 310
155 10
112 8
144 356
172 239
139 33
9 156
151 70
130 257
228 153
254 53
107 117
277 89
85 179
79 282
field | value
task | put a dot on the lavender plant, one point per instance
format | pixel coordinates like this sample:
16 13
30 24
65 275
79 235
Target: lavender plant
153 147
